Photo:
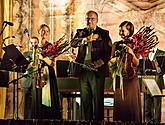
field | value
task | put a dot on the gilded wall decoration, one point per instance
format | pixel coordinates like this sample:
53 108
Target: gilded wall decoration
22 17
22 21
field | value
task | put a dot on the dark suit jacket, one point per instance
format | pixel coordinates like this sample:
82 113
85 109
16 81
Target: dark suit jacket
101 48
159 77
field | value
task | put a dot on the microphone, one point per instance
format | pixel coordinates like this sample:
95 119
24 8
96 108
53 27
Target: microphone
88 31
9 23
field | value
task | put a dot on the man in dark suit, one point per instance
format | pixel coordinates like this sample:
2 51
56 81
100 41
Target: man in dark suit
94 52
152 109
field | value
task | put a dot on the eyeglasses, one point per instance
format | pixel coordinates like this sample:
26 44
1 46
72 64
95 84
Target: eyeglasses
93 19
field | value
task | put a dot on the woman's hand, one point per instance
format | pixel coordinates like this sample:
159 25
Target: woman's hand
135 59
40 56
129 50
113 61
46 59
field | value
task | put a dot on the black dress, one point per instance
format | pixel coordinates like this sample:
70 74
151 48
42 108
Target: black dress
53 111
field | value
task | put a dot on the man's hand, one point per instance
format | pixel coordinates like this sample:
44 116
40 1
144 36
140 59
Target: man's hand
98 63
92 37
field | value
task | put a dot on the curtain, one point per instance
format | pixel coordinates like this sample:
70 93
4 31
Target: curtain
5 7
1 20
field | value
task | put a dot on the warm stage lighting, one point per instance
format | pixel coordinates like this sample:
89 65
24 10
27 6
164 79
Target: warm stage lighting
59 2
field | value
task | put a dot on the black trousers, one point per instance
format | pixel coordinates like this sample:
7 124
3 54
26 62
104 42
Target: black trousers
152 108
92 95
28 103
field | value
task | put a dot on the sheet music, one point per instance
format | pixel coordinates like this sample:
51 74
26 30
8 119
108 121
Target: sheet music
152 87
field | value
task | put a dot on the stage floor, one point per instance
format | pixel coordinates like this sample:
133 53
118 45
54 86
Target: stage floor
67 122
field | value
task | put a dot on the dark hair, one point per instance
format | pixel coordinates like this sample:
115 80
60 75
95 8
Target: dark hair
43 25
91 11
34 37
129 26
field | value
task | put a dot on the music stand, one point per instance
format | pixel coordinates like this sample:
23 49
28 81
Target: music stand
146 67
14 61
152 87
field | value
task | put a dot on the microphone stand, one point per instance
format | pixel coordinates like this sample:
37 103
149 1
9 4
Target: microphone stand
15 91
15 82
14 61
3 29
9 37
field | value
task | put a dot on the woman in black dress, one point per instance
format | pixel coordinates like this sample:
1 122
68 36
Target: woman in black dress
49 98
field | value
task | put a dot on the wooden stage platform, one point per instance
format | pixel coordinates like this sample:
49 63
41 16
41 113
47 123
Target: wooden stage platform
65 122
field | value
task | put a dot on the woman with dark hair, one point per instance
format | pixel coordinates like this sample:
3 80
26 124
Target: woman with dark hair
124 64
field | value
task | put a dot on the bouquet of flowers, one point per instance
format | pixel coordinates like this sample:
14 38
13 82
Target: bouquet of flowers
144 40
56 48
141 42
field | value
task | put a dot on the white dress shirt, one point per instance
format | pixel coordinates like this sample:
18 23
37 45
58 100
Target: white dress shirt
151 54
